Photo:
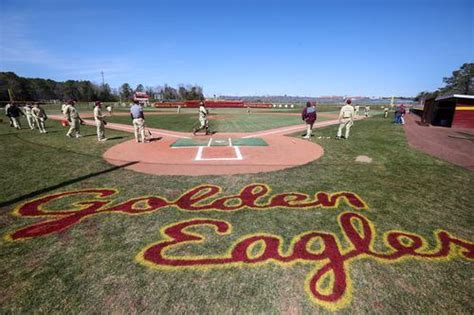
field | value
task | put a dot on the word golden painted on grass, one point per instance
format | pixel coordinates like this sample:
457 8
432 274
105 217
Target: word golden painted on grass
329 283
200 198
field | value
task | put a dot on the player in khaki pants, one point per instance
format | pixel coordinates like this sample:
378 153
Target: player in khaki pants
138 120
74 119
99 121
40 117
204 123
346 119
29 117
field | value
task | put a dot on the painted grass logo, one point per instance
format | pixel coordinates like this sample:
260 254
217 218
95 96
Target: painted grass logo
200 198
331 262
328 284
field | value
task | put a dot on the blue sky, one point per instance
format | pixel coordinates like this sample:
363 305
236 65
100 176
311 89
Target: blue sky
306 48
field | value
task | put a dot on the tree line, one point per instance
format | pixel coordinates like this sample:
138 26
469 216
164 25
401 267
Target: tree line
461 81
165 93
36 89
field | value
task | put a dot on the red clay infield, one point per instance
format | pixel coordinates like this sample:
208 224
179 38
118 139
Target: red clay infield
158 157
455 145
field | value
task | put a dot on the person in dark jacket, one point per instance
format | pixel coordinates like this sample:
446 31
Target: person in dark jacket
309 116
14 113
398 115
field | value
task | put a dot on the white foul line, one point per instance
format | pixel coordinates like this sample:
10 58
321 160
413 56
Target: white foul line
237 152
199 154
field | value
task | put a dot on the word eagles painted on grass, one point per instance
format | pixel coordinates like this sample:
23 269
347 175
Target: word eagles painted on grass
200 198
329 284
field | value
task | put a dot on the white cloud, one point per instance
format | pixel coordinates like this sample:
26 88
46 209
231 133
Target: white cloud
19 47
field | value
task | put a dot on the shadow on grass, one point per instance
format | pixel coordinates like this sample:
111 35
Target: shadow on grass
63 184
115 138
49 131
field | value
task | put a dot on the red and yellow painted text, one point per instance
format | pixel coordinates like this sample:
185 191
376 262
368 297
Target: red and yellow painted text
331 260
200 198
328 284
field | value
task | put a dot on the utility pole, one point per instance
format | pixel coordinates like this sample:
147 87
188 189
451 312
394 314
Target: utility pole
103 81
11 95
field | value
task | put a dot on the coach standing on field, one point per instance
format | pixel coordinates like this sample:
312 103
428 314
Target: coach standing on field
138 119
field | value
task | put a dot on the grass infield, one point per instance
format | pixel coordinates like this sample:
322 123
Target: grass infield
92 266
219 142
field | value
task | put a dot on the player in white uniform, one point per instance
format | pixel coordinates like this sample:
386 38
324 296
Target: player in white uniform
40 117
63 109
74 119
366 110
204 123
346 119
29 117
99 121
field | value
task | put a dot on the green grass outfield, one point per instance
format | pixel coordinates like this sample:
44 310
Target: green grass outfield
91 267
222 120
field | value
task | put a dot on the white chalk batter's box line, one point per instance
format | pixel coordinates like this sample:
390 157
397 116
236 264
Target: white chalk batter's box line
238 154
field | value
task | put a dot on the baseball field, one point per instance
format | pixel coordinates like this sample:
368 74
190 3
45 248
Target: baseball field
251 219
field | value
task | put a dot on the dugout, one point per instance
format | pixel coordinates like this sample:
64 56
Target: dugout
455 111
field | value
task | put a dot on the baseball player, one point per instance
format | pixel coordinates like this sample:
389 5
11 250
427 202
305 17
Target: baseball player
309 116
63 109
366 110
99 121
7 107
346 119
138 120
203 112
29 117
39 115
385 112
356 111
14 112
72 115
